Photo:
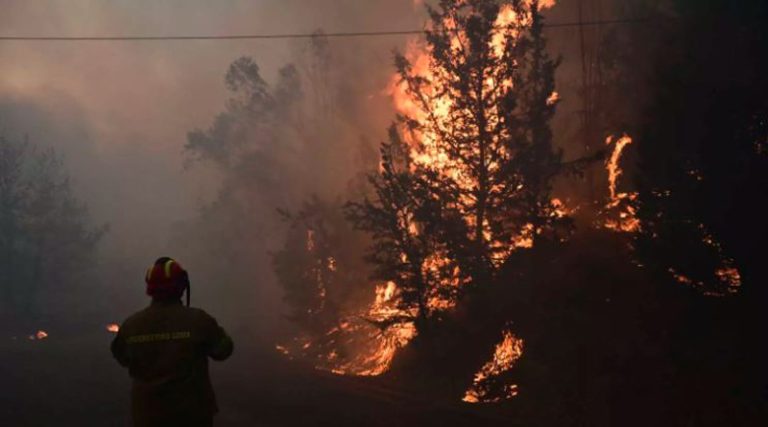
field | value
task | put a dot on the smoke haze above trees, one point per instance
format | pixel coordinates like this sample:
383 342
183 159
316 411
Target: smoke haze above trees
128 107
238 158
49 244
276 145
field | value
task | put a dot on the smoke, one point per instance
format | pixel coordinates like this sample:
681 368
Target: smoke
119 112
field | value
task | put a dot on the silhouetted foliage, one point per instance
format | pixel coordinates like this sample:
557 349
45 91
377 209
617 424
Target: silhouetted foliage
319 267
47 244
275 144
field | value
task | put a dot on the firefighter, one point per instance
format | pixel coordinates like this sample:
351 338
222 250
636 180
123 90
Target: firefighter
166 347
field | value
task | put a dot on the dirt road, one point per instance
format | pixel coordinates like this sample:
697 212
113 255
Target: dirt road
70 378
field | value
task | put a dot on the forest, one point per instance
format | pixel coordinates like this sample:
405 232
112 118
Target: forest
536 212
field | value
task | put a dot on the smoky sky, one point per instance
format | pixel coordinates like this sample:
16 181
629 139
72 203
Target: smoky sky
119 112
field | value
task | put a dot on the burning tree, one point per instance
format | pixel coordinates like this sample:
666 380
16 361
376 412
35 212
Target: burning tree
466 175
324 277
319 267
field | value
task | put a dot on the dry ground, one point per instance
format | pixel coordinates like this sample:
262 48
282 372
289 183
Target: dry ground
70 378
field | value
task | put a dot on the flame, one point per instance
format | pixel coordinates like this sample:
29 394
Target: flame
438 269
553 99
730 276
681 278
283 349
39 335
621 213
727 275
384 342
113 328
560 209
426 151
614 169
525 238
621 210
361 344
424 145
504 356
365 343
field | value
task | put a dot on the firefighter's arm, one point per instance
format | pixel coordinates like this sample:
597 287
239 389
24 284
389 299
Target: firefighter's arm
219 346
223 347
119 350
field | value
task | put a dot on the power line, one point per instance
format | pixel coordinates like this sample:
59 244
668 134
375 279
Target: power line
355 34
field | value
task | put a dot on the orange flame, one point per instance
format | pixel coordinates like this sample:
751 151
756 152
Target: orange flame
384 342
39 335
113 328
621 206
376 355
727 275
424 145
614 169
426 151
730 276
553 99
368 339
504 356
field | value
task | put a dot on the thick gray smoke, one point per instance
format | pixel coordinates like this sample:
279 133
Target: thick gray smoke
119 113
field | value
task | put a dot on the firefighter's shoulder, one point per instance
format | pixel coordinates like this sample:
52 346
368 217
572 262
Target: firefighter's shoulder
136 318
200 315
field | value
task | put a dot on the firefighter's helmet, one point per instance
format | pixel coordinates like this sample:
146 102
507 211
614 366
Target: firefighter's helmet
167 279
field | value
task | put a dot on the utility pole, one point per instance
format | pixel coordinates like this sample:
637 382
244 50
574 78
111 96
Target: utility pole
590 39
